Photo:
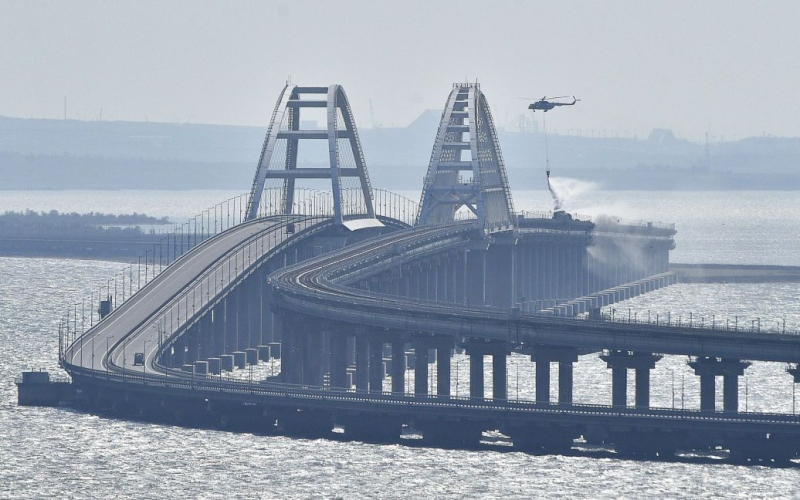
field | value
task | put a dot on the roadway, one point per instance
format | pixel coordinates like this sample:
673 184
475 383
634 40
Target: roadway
165 304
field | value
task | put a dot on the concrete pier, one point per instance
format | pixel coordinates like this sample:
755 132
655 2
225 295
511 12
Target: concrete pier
543 355
620 362
708 369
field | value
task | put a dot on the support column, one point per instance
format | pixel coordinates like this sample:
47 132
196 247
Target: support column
421 368
619 362
475 277
476 375
543 355
619 386
730 393
375 363
398 366
499 376
312 362
543 381
708 368
443 350
339 360
707 392
642 387
362 362
565 382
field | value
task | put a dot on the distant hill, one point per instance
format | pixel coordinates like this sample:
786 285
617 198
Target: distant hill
56 154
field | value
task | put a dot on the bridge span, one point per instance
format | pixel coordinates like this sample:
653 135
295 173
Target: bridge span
349 295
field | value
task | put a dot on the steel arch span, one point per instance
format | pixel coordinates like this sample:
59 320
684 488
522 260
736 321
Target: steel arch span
279 171
467 142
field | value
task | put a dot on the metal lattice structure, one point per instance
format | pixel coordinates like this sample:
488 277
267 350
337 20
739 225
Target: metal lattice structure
278 168
467 143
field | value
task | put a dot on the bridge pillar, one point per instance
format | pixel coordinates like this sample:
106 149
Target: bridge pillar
543 355
398 366
229 319
476 350
192 344
206 327
421 367
362 362
405 281
291 349
218 339
475 277
619 362
254 317
459 278
708 368
444 349
179 353
475 375
375 363
339 360
312 360
499 375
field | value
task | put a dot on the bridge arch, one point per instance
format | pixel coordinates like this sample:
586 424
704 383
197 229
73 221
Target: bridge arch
279 171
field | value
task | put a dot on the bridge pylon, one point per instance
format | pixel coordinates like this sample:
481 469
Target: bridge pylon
279 170
467 144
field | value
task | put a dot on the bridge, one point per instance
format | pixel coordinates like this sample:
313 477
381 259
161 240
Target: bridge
356 291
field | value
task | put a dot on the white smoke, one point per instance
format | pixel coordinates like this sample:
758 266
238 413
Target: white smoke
566 191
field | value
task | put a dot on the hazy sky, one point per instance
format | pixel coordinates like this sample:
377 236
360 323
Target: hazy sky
732 68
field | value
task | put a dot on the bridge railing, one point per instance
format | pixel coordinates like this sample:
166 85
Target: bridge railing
697 321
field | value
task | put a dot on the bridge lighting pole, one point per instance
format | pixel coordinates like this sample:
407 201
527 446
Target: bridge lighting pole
144 355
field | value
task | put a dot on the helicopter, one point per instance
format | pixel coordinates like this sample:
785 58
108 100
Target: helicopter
546 103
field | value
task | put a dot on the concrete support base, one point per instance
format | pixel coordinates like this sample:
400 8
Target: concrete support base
710 368
620 362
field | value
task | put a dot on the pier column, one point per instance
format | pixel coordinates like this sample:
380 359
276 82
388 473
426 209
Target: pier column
619 362
565 382
339 360
398 366
477 349
543 355
619 386
499 375
708 368
362 362
475 277
444 348
312 362
421 367
730 393
476 375
375 363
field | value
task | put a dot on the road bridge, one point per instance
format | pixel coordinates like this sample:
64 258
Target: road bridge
346 292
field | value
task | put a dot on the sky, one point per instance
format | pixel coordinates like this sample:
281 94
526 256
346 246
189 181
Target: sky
729 68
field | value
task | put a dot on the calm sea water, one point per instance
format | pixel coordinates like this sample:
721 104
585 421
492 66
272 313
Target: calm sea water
53 452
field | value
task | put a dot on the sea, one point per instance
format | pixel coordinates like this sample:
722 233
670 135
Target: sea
59 452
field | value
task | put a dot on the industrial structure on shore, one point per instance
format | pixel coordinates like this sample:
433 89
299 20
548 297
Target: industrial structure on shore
355 286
